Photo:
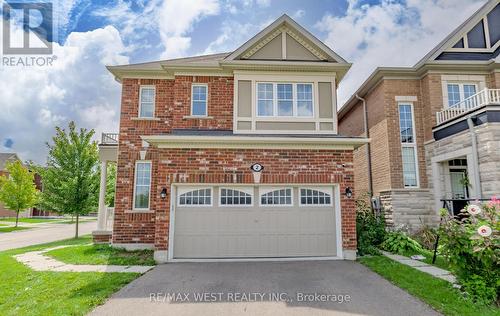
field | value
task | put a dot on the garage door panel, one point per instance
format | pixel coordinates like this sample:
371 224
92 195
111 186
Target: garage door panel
254 231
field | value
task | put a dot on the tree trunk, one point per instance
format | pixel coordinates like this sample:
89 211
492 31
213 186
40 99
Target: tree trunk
17 217
76 228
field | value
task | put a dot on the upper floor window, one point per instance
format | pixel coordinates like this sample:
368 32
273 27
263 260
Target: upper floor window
408 145
458 92
199 93
284 99
142 185
147 101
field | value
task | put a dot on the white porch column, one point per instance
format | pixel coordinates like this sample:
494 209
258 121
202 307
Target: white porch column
101 215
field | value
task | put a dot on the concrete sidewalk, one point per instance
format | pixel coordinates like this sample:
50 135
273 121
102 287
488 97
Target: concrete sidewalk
43 234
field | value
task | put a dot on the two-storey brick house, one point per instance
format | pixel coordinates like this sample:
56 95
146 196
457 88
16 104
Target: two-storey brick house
434 127
234 155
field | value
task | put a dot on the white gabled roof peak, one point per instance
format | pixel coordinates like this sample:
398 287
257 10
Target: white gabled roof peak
294 29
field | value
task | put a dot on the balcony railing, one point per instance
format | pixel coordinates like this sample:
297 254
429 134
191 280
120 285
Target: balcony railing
484 97
109 139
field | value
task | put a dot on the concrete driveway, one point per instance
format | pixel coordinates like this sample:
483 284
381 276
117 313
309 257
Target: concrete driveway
262 288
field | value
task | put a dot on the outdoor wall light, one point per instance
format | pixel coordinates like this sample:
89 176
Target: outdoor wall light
163 193
348 192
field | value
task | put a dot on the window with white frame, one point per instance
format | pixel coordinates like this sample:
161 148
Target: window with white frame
309 196
199 96
235 196
458 92
277 197
408 145
284 99
142 186
147 101
201 197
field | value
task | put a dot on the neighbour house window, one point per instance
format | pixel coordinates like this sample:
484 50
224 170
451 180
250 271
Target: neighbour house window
284 99
277 197
458 92
408 145
202 197
142 185
314 197
235 197
199 100
147 101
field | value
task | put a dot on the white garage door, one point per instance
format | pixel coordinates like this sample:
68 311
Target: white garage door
254 222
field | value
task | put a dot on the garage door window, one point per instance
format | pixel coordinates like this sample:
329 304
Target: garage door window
314 197
277 197
235 197
200 197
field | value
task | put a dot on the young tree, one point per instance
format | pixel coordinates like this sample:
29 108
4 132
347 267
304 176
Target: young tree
71 177
17 190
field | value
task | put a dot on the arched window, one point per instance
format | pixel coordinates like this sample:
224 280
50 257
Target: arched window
277 197
196 197
235 196
309 196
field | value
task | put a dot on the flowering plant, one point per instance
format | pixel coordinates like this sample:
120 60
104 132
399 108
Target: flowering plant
472 246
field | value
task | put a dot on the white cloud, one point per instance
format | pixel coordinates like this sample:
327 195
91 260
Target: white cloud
263 3
77 87
390 34
232 35
298 14
176 19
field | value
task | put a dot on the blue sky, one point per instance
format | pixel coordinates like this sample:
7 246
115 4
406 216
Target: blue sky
92 34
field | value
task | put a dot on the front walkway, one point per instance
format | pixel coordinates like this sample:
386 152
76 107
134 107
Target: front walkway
41 235
424 267
37 261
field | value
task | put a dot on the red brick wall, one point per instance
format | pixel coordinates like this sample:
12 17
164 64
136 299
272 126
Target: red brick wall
225 166
172 104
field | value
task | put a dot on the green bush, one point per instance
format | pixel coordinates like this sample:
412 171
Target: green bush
472 247
426 236
400 243
370 229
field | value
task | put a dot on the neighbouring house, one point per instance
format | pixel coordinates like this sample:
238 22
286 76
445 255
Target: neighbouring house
11 157
234 155
434 127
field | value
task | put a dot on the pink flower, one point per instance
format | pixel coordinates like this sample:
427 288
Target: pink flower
484 231
473 209
494 202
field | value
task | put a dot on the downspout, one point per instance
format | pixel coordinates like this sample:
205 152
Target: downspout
368 150
475 157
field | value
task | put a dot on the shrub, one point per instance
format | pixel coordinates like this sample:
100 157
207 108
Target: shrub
426 236
370 229
471 243
400 243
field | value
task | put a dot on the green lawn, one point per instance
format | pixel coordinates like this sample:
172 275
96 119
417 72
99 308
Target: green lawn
29 220
436 292
102 254
9 229
27 292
